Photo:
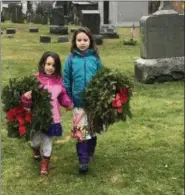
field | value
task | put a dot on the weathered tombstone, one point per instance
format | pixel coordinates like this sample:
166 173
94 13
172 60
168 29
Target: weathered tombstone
57 21
91 19
33 29
45 39
10 31
78 6
108 31
63 39
57 16
161 46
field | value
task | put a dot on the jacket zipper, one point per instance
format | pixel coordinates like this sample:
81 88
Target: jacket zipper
48 83
85 82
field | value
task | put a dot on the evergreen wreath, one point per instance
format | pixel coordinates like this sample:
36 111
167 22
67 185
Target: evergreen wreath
39 117
107 99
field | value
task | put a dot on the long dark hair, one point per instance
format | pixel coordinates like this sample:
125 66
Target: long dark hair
55 56
89 34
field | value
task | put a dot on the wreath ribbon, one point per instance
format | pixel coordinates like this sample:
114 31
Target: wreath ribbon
120 99
21 115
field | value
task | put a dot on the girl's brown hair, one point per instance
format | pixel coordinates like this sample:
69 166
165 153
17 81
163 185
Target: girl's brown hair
55 56
89 34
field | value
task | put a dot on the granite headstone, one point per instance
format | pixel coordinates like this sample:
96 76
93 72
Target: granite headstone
78 6
33 29
45 39
10 31
57 16
91 20
162 35
161 46
57 21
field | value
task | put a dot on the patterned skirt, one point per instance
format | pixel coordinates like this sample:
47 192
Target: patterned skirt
80 123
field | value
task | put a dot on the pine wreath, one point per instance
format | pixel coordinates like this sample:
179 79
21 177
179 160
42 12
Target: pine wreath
107 99
40 114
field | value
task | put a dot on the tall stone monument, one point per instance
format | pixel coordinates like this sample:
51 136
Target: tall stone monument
161 46
78 6
57 21
91 19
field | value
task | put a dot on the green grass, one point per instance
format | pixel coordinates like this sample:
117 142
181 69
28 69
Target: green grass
143 156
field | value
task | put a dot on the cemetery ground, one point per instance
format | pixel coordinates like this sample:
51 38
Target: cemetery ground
143 156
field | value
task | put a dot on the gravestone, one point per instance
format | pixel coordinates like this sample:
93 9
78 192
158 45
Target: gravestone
57 21
57 16
78 6
91 20
10 31
45 39
108 31
161 47
33 29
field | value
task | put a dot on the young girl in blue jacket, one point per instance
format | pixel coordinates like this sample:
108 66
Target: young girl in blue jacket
80 66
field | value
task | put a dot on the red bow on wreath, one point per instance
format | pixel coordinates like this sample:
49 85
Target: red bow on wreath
21 115
120 99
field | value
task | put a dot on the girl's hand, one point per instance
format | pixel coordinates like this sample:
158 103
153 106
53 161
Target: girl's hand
27 109
28 94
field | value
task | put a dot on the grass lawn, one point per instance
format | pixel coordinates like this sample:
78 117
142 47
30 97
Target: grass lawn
143 156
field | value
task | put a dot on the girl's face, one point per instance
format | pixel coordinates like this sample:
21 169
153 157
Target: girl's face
49 67
82 41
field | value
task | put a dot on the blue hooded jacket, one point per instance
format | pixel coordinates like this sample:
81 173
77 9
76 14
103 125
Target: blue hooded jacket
78 71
